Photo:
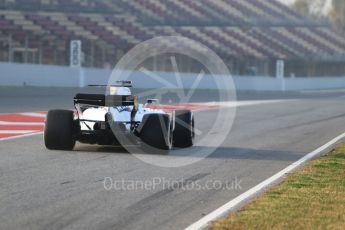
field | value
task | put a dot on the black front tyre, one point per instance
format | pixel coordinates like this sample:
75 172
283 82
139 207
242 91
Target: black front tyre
184 129
59 129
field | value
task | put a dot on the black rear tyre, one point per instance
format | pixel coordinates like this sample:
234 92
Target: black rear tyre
58 132
156 131
184 129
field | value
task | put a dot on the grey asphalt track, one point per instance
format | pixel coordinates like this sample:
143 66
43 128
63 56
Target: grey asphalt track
41 189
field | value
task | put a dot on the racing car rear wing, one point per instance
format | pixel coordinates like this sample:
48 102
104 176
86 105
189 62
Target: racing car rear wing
120 83
105 100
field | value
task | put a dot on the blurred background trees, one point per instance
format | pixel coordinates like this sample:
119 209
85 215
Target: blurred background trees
330 10
337 15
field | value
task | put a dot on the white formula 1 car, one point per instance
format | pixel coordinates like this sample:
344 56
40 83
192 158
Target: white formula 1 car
118 119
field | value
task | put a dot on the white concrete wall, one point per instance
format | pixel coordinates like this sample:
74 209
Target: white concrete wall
56 76
37 75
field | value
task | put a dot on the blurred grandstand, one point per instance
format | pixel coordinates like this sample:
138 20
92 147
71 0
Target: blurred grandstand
249 35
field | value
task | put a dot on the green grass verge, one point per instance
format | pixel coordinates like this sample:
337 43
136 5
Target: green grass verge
311 198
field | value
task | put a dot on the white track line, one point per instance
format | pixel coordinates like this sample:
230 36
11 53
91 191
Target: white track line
17 131
33 114
20 136
244 103
21 123
231 205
